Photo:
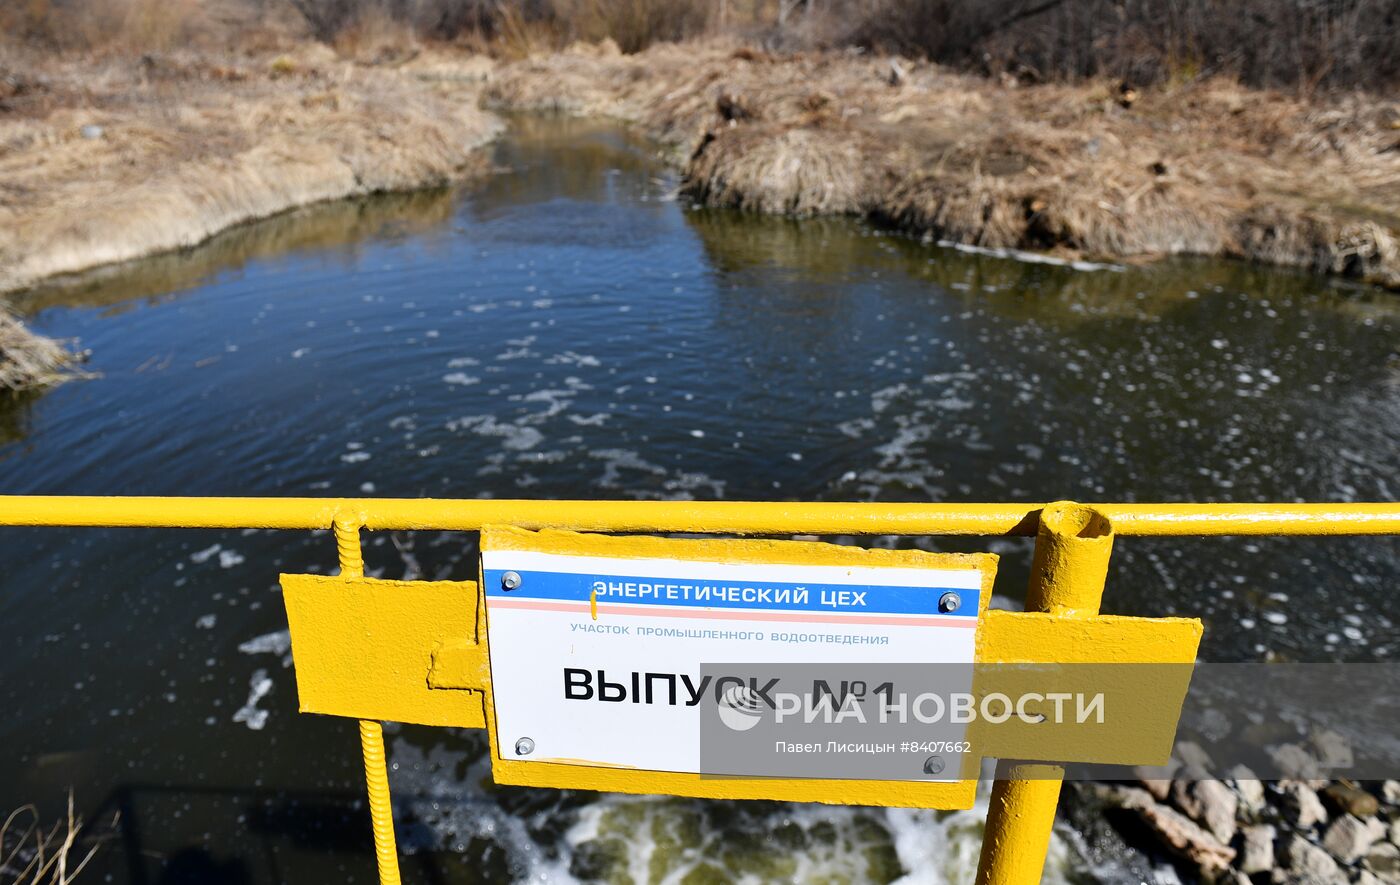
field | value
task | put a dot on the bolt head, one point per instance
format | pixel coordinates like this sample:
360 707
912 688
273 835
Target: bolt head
510 580
949 602
524 747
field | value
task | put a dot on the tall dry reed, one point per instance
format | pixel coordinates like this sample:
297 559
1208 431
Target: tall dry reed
33 854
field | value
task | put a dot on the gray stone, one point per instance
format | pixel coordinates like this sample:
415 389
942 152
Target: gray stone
1331 749
1218 806
1390 792
1348 837
1192 756
1310 864
1301 807
91 131
1184 797
1256 849
1383 859
1295 762
1157 780
1176 831
1365 877
1159 788
1250 789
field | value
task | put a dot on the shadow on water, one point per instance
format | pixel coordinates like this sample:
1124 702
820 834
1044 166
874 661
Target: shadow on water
15 415
337 228
560 159
744 247
243 836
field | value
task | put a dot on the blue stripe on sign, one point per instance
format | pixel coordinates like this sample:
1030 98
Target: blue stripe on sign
768 595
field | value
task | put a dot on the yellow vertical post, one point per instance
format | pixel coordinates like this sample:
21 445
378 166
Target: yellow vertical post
381 812
1072 548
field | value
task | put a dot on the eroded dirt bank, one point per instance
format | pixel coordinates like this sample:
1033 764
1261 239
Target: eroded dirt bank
105 161
1097 170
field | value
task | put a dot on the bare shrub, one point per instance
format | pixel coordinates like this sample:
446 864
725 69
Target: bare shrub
1295 43
518 26
633 24
142 25
375 34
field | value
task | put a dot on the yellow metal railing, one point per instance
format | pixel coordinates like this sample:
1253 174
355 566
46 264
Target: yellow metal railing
1072 549
712 517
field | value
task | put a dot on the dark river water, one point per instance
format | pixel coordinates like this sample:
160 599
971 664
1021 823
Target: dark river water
568 328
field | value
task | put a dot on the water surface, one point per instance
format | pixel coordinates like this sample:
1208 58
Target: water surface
569 329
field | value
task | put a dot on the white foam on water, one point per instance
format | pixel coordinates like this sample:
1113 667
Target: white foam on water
933 848
259 685
451 812
668 839
570 358
278 642
1030 257
230 558
514 436
556 401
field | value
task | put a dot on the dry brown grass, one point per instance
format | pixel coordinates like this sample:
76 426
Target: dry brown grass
33 854
29 361
1207 168
107 160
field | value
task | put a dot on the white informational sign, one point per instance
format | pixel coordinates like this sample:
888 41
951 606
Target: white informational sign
597 660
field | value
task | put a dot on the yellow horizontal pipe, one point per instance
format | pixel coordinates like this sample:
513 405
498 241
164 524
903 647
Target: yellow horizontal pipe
1253 519
709 517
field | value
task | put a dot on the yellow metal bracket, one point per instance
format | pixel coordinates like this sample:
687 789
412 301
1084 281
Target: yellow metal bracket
417 652
373 649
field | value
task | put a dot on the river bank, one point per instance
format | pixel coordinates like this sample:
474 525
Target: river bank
103 161
106 159
1096 170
